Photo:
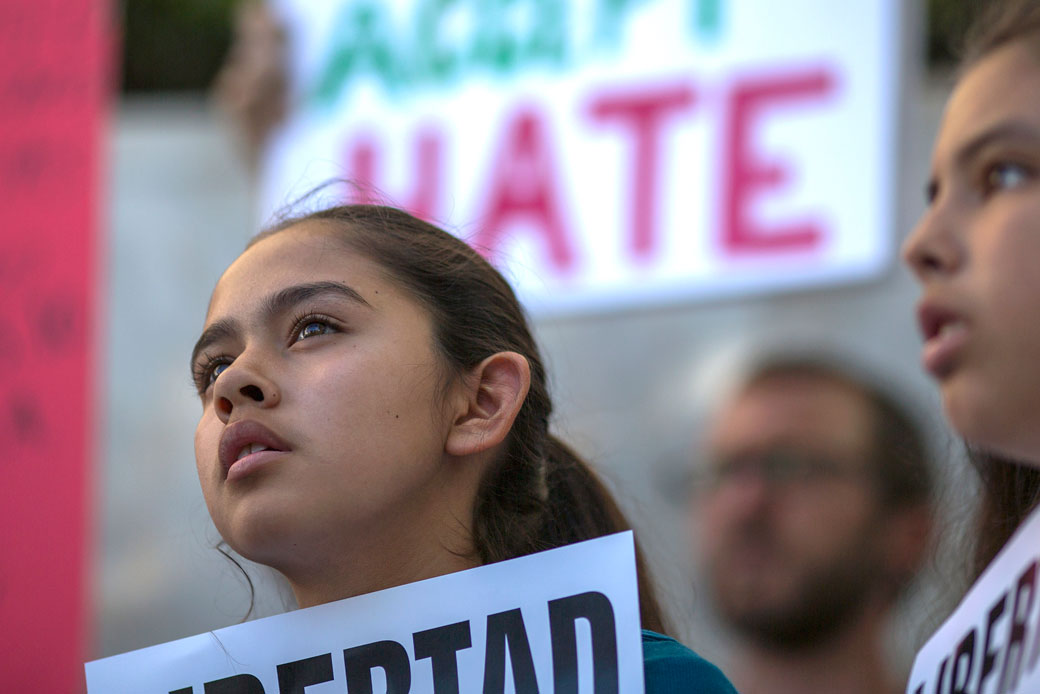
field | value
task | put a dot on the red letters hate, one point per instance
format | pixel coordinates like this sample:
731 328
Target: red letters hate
748 174
643 113
526 189
364 157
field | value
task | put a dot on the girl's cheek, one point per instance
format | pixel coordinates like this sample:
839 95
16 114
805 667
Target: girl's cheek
206 441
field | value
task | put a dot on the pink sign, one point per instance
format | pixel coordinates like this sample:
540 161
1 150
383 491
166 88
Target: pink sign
53 95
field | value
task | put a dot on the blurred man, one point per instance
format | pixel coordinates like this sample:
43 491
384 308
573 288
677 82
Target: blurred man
813 513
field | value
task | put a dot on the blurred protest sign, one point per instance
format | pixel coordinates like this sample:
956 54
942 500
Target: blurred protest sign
991 643
605 152
53 100
565 620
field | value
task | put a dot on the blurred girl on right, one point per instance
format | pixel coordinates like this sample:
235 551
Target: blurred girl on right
976 254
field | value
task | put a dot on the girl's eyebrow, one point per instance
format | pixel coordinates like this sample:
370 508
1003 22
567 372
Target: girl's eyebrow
1013 130
275 304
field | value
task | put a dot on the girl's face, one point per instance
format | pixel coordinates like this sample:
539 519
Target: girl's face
325 410
976 252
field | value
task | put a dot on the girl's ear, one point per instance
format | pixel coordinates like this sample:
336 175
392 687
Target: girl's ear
494 391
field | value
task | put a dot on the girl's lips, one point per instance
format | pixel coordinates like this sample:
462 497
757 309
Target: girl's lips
245 465
245 445
945 334
940 351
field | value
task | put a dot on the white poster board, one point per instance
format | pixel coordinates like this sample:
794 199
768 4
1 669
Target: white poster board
604 153
565 620
991 643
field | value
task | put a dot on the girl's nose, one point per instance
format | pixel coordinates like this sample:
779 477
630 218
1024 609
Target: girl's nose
243 384
934 247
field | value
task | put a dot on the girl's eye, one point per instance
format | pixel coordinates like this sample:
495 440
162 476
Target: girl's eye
931 192
1006 176
313 328
214 372
205 374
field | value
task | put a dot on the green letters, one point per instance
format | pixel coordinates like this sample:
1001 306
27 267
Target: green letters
361 41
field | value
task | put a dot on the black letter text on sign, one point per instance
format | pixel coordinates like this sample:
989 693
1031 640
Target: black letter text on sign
294 677
507 628
563 613
389 655
236 684
440 645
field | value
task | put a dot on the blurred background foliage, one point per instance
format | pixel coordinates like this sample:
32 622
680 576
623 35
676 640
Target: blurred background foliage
178 45
173 45
948 20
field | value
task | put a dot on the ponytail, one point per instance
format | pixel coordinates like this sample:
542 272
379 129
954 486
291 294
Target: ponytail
580 507
524 508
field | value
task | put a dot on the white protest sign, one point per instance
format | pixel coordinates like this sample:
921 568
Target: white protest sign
606 152
565 620
991 643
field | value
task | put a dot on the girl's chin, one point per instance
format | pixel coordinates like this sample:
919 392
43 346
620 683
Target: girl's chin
263 541
962 410
996 433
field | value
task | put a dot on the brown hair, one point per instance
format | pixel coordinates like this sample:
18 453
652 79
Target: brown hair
1010 490
898 453
540 494
998 25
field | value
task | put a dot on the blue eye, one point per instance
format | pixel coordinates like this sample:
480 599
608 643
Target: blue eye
311 324
313 329
216 371
1006 176
205 373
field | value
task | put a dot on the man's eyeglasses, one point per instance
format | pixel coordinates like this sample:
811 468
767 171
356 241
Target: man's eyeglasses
777 468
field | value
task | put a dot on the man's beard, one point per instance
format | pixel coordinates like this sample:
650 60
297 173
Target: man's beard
824 601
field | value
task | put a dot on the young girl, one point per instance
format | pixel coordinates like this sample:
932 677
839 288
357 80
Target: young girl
976 248
375 412
975 253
